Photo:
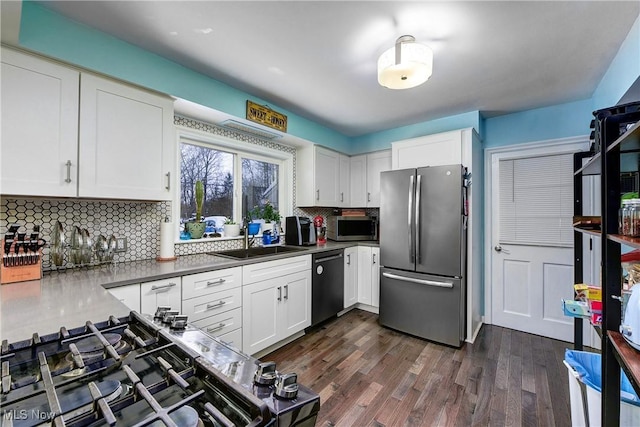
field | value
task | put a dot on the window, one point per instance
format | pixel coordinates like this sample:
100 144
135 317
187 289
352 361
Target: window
536 201
236 177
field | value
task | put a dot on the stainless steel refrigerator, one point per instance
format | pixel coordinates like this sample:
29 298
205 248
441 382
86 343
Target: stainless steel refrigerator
422 252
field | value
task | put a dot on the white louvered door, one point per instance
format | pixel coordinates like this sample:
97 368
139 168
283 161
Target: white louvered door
532 243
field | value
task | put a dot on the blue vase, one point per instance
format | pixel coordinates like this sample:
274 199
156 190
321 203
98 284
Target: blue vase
254 228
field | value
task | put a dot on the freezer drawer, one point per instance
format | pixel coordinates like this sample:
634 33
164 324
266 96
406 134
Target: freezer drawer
429 307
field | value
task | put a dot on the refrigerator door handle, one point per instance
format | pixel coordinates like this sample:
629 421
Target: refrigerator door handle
409 225
419 281
417 217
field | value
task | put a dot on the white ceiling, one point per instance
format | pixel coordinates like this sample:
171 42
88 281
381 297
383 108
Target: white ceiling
318 58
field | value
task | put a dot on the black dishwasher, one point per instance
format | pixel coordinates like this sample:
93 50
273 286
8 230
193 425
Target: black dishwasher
327 285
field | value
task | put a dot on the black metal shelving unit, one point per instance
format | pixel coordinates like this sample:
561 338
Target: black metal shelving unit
616 352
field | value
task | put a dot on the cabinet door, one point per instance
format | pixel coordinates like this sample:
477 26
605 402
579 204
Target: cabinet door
196 285
210 304
165 292
431 150
364 275
376 163
358 181
128 295
295 313
375 277
327 177
126 142
39 114
350 276
345 184
260 304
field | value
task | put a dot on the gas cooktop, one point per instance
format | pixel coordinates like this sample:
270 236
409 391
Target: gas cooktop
138 371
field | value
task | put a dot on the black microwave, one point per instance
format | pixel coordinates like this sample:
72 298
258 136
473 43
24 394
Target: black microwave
351 228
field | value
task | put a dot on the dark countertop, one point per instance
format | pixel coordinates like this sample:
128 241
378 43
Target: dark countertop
72 297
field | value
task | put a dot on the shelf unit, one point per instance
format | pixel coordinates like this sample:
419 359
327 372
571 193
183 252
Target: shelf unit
616 352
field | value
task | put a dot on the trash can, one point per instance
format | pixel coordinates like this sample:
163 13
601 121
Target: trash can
585 387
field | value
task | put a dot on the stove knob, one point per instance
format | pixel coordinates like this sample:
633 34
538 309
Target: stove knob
168 316
287 386
179 322
266 373
160 312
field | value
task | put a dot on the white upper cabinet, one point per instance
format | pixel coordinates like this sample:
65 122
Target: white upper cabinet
127 141
429 150
39 126
319 180
365 178
359 181
69 134
377 162
345 175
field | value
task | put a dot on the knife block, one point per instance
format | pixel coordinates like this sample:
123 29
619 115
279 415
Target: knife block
19 273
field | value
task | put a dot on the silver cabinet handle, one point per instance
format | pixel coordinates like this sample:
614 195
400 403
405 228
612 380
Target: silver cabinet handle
68 165
161 287
348 259
368 197
317 194
417 219
374 259
168 175
216 305
279 293
419 281
342 197
286 291
217 328
216 282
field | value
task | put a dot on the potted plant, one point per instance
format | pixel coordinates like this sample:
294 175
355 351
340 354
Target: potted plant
231 229
196 227
268 213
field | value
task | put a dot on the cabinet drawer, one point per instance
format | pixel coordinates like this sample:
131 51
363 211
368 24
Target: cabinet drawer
195 285
208 305
267 270
233 338
222 323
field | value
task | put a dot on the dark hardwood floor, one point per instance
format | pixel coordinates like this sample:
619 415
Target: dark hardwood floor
368 375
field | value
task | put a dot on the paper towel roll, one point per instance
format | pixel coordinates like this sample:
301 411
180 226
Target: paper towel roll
166 240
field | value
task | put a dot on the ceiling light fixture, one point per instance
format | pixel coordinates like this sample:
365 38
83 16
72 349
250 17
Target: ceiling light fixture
408 64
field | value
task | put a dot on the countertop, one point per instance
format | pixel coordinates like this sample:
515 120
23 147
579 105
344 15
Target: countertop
70 298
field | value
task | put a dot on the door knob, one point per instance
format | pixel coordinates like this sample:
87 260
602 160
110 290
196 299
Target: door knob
498 248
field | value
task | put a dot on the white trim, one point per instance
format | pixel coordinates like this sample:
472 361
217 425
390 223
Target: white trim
538 148
472 339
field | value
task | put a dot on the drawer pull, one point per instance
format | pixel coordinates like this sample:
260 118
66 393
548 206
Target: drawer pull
161 287
216 305
216 282
217 328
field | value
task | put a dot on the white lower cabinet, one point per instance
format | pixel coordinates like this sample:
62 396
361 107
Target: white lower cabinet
350 276
276 308
167 292
129 295
213 302
369 275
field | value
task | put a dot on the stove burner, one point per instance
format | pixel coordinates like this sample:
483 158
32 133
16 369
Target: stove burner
92 344
185 416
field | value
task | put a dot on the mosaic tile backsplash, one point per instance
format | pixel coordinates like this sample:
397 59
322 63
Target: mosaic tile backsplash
139 222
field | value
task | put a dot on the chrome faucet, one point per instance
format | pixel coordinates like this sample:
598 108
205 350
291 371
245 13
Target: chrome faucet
245 227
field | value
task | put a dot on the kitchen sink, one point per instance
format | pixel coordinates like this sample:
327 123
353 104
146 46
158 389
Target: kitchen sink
257 252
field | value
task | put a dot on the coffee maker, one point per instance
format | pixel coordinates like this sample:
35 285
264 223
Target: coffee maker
300 231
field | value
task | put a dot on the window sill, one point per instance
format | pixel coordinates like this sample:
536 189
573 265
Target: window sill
207 239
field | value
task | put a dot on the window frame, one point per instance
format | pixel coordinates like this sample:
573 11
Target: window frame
240 149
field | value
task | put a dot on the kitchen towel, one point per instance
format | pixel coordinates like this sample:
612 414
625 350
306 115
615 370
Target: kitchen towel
166 240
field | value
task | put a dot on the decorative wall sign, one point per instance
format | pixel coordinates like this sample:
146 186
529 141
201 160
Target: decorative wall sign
266 116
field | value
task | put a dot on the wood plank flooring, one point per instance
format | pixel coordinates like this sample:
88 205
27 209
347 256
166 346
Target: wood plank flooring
368 375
